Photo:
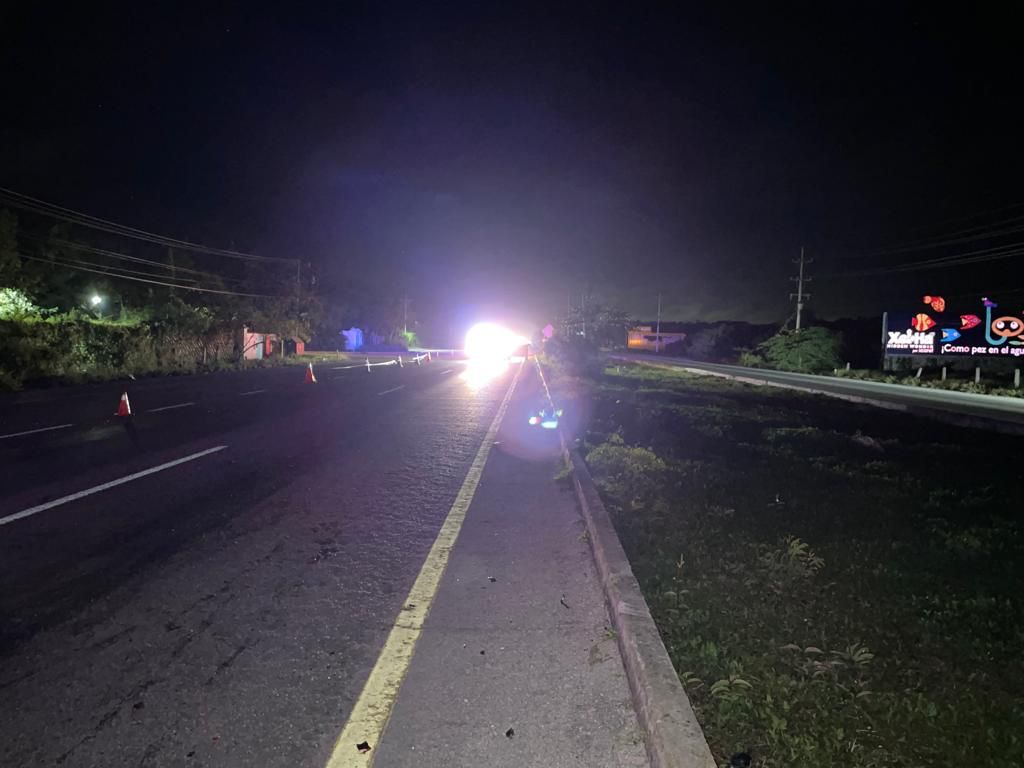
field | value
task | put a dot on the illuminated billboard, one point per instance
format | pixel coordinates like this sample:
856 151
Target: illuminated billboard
978 331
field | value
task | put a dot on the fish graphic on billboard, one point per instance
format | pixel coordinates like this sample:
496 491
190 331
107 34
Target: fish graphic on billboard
988 303
969 321
950 334
922 322
936 302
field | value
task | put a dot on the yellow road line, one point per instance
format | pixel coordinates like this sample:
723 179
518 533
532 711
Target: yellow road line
370 715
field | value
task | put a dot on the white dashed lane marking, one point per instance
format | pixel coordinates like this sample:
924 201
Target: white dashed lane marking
106 486
34 431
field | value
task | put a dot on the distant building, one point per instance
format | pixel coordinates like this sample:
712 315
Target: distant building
643 337
256 345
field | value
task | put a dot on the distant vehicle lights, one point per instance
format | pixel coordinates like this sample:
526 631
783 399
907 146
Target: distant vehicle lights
488 341
488 348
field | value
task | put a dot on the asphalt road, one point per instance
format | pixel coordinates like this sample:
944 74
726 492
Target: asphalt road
226 609
1000 412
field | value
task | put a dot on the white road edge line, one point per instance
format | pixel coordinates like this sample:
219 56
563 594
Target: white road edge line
106 486
447 370
252 392
169 407
393 389
33 431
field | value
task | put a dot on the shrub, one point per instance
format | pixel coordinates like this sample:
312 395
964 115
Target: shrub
750 359
16 305
809 350
632 475
69 348
575 356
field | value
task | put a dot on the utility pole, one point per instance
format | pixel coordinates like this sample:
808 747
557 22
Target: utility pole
800 281
657 331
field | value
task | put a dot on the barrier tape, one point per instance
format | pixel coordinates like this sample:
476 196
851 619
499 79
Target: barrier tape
367 364
418 359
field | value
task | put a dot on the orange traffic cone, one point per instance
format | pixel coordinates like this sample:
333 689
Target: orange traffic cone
124 408
310 376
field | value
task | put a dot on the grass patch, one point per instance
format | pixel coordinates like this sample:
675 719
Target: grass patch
836 585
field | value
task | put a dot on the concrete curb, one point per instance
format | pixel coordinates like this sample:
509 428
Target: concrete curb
956 418
672 734
924 411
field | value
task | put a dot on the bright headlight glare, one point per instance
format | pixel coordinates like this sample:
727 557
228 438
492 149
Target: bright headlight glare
488 341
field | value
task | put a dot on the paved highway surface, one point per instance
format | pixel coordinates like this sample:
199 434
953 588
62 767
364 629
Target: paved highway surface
220 594
1002 412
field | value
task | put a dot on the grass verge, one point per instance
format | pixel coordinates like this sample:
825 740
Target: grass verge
836 585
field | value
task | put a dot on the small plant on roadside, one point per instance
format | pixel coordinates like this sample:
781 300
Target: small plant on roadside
631 474
793 560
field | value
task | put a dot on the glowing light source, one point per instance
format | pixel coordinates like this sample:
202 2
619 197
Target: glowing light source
96 300
487 341
488 348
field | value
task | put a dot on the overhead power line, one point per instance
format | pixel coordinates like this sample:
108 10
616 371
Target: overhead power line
973 234
35 205
980 231
108 273
125 270
956 260
970 216
174 269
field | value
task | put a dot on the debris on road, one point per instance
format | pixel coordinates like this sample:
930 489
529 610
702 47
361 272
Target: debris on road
491 579
323 554
510 732
562 601
363 746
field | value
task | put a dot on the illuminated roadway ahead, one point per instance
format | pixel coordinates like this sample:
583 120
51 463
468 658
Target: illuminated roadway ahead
1001 413
225 608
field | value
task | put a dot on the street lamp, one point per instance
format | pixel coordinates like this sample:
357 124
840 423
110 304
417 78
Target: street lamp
96 300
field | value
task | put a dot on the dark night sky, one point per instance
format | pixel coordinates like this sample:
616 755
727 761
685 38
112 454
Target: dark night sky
494 158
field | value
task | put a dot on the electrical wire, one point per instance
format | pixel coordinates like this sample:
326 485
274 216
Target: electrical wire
968 217
35 205
134 259
143 280
970 257
953 238
126 270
